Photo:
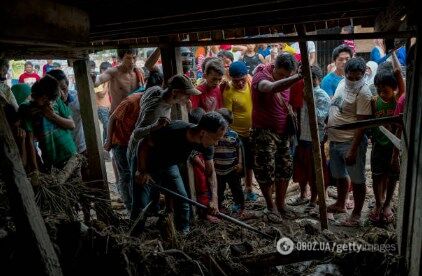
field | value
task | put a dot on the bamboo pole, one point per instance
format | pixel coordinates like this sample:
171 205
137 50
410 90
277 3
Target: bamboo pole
316 149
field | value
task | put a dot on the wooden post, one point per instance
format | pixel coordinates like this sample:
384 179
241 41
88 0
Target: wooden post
96 176
316 148
409 226
29 222
172 65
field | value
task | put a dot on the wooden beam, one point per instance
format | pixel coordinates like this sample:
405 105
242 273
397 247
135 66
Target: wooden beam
111 44
29 222
43 21
96 176
316 148
409 225
172 65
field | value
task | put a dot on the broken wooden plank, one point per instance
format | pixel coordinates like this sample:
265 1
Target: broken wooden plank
29 222
72 164
393 138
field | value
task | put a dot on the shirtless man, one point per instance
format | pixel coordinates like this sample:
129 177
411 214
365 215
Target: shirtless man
124 78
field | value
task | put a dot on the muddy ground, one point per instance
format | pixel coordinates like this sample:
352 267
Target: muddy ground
210 248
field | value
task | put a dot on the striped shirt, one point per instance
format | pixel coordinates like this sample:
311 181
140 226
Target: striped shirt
226 153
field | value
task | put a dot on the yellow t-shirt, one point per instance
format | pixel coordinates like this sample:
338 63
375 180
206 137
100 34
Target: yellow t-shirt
240 103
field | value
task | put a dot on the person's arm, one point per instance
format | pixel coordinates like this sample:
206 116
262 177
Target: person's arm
266 86
357 139
111 124
241 48
66 123
322 105
228 101
152 60
240 153
104 77
212 183
397 73
31 153
312 58
261 58
140 132
144 150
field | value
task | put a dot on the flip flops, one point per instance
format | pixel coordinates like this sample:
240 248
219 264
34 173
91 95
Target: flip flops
272 216
349 223
335 210
288 213
374 216
297 201
389 218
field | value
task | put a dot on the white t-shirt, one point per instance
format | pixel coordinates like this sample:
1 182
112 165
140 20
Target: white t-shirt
310 44
345 106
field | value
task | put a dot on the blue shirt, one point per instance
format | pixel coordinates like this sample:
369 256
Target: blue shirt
322 106
330 82
264 52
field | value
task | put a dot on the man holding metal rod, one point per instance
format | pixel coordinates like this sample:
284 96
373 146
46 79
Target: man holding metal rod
160 153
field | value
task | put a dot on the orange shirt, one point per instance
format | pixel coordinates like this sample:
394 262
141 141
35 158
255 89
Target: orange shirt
125 117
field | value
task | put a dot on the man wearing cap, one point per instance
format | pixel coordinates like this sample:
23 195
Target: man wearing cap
237 97
161 152
155 112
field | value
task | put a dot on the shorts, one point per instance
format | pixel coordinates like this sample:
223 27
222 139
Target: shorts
272 159
247 150
339 169
381 160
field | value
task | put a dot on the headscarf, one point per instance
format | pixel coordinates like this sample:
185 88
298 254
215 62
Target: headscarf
21 92
369 78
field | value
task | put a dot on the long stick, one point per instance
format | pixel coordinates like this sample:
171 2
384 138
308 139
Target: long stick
313 126
218 214
371 123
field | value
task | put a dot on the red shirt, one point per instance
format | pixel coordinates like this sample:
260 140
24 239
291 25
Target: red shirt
125 117
29 78
268 111
296 95
210 99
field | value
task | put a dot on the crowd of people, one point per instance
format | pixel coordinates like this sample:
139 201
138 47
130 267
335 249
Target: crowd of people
238 98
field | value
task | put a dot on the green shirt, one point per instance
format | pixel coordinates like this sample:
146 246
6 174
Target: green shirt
382 109
56 143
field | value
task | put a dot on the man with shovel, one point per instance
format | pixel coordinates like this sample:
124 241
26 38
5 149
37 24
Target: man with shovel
160 153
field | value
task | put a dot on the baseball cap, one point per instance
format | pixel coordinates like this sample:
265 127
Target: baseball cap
238 69
183 83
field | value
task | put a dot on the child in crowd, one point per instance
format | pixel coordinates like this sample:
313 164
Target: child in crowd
228 162
198 164
303 160
211 98
70 98
384 165
48 119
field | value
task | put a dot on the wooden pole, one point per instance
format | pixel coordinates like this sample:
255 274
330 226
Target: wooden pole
172 65
409 225
29 222
96 176
316 148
